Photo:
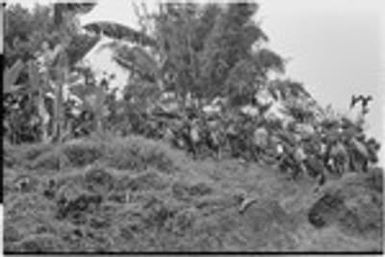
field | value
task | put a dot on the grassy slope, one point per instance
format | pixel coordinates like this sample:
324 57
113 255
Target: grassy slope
154 198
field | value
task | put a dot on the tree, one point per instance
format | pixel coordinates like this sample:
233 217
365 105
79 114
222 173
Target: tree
32 34
206 50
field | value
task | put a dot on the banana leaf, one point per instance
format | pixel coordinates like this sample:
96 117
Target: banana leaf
119 31
10 77
137 59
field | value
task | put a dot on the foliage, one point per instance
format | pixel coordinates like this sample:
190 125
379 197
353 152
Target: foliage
79 46
118 31
137 153
300 113
81 153
26 30
201 49
50 161
288 89
11 76
30 35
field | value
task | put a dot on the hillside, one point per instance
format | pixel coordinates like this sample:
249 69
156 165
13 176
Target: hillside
200 149
135 194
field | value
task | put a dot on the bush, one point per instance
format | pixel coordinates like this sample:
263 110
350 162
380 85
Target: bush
82 152
147 181
9 154
136 153
49 160
185 191
98 179
32 151
24 154
41 243
122 155
11 233
161 157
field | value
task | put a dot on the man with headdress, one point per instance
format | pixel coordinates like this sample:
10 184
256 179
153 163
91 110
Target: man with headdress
287 163
338 156
194 135
359 155
260 142
232 136
218 137
300 157
373 147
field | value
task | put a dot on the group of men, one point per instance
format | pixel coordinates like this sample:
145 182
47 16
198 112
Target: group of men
315 149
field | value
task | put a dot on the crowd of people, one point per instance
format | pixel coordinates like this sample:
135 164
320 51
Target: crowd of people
314 148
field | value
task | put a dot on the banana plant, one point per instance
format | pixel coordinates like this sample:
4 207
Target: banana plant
118 31
10 77
135 59
34 78
35 90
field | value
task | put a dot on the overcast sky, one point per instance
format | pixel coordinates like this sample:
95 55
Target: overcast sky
336 46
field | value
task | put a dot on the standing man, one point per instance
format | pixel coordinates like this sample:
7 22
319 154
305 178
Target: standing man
300 158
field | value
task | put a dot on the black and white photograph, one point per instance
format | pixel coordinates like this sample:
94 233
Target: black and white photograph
252 126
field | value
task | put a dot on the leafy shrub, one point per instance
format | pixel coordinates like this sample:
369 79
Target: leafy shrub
161 157
185 191
26 183
9 158
122 155
49 160
99 180
182 221
31 152
157 213
11 233
136 153
147 181
82 152
14 154
200 189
